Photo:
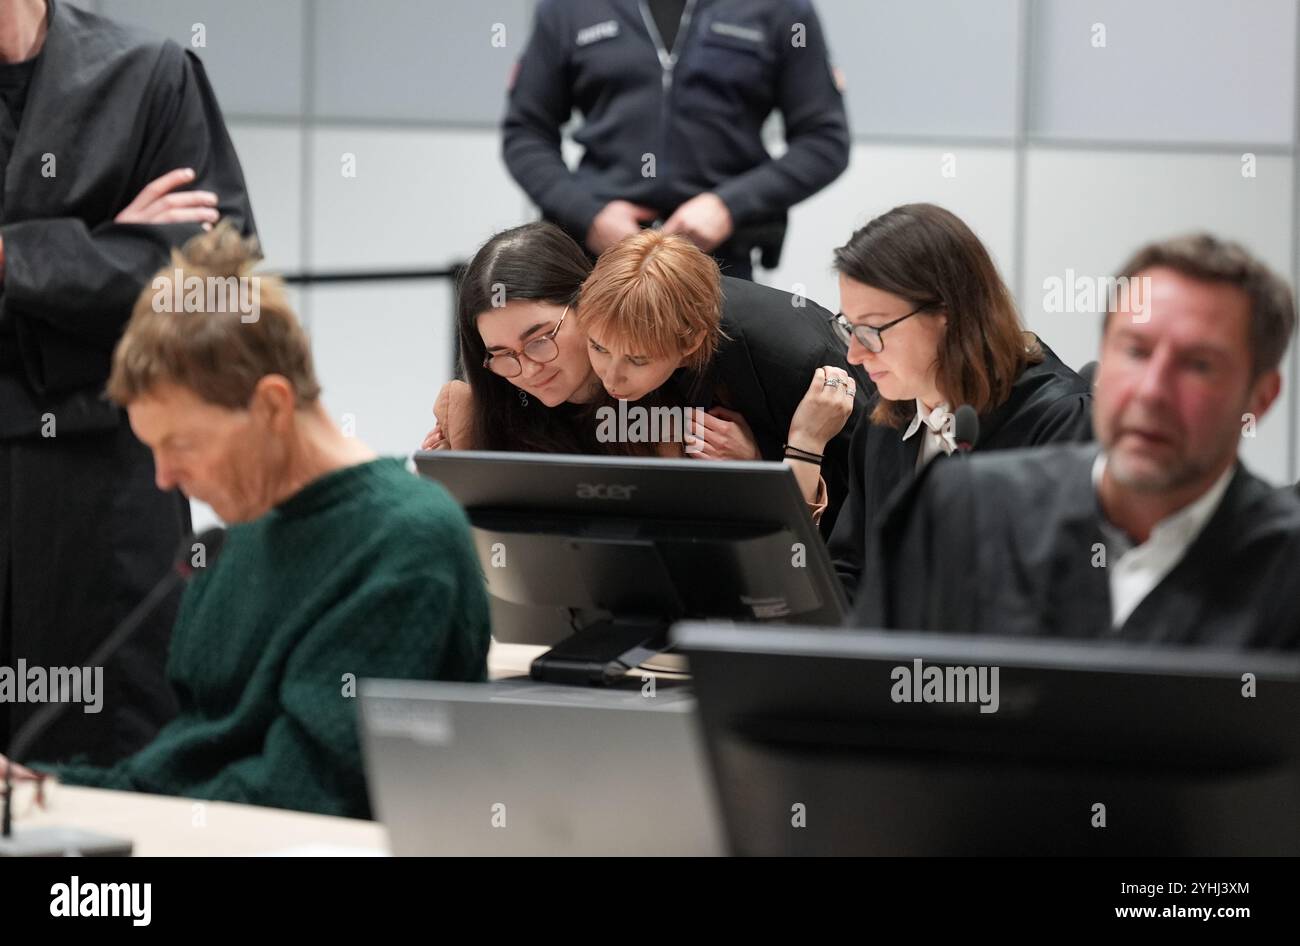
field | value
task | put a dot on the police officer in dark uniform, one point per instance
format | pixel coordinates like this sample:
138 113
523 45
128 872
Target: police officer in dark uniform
674 95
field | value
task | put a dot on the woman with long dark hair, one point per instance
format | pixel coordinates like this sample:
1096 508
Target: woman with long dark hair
935 328
528 382
528 361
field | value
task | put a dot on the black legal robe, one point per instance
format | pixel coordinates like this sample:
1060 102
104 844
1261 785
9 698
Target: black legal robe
763 368
1008 544
84 533
1049 403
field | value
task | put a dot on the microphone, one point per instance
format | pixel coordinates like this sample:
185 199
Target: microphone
966 429
196 552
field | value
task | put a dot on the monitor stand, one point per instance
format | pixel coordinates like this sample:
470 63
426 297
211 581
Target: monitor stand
602 653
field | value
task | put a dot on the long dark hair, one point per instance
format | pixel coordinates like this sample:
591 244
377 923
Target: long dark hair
538 262
928 256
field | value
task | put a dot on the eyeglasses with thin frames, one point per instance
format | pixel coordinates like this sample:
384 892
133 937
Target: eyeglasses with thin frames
541 350
868 336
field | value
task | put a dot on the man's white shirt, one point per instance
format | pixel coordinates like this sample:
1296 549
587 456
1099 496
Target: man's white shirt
1137 569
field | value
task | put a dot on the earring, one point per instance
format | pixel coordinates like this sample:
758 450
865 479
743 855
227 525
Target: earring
523 397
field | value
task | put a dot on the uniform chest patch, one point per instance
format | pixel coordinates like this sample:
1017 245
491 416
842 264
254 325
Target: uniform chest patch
594 34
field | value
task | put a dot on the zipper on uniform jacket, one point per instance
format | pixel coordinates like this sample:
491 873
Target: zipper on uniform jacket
667 62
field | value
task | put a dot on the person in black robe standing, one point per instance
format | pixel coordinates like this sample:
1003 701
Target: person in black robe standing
954 337
1160 535
112 152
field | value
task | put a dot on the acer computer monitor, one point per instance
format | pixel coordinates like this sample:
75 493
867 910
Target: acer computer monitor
598 556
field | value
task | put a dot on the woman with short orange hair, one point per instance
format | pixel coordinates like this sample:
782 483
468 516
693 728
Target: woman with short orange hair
765 370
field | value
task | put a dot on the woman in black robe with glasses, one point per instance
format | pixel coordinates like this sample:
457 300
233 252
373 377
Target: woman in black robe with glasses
934 327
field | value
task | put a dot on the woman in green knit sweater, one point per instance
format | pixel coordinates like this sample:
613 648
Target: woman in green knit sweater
338 565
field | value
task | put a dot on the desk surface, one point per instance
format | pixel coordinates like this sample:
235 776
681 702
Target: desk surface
170 826
511 660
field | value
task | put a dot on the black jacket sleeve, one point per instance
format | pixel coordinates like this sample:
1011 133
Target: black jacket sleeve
816 128
1066 420
786 340
918 575
71 283
848 541
539 105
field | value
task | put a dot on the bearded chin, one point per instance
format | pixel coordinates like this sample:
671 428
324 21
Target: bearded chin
1147 480
1143 478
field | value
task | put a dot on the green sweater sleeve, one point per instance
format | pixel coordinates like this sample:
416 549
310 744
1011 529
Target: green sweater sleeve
93 776
396 625
385 629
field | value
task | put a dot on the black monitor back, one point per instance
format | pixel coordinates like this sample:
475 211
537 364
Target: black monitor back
1094 749
570 539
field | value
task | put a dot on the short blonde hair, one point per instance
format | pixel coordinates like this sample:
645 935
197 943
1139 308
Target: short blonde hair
657 294
213 350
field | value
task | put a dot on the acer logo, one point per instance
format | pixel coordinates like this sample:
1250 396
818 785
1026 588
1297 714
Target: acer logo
605 491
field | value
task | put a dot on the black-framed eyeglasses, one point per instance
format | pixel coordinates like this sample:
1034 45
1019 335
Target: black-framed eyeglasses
868 336
542 350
